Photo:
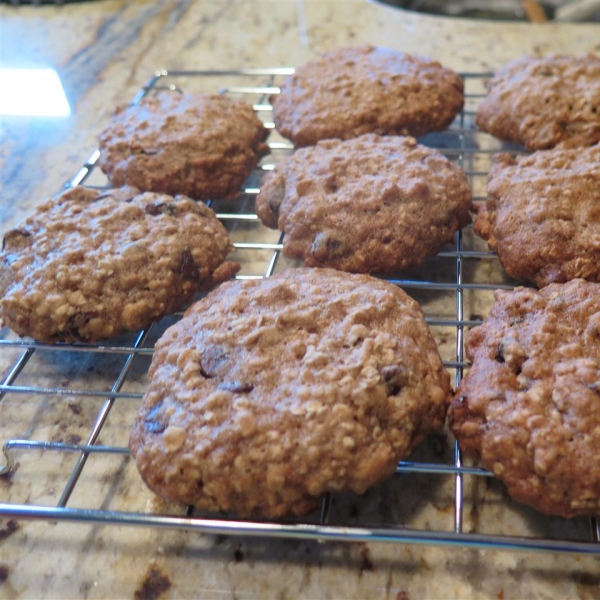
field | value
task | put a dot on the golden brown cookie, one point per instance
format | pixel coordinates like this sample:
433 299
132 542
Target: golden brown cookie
542 214
200 145
270 393
368 204
91 264
542 102
350 91
529 406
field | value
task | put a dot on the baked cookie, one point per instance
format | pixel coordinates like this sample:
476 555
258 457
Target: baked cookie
542 102
350 91
91 264
542 214
529 406
368 204
203 146
270 393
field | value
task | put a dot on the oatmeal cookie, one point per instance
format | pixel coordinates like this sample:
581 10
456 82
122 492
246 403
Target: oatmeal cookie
92 264
368 204
350 91
542 102
542 215
203 146
270 393
529 406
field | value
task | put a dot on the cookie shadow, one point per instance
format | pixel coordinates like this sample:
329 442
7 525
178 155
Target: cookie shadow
407 499
491 510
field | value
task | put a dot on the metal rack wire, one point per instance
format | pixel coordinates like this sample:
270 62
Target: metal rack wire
455 289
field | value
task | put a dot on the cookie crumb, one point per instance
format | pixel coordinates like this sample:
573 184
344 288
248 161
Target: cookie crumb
155 583
8 528
366 564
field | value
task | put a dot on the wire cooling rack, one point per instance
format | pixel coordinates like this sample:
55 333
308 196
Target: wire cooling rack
66 410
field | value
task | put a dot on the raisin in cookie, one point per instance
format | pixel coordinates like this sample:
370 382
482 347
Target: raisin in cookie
203 146
369 204
89 265
542 215
542 102
529 406
270 393
350 91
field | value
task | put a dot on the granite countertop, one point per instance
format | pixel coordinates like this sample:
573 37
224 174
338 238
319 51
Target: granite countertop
104 51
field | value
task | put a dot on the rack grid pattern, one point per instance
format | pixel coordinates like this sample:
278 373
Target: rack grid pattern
454 289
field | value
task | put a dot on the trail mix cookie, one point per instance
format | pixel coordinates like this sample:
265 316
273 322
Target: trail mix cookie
542 102
270 393
369 204
200 145
350 91
91 264
542 214
529 407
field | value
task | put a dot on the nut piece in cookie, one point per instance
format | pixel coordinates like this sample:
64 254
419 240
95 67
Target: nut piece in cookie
368 204
542 214
92 264
270 393
350 91
529 406
203 146
543 102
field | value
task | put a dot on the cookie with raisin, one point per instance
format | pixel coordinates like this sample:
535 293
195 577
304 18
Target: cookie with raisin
91 264
270 393
371 204
529 407
347 92
199 145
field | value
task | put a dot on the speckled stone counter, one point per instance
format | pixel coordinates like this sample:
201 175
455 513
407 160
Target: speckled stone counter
104 51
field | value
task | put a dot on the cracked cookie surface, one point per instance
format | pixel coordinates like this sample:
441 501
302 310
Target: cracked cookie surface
365 89
543 102
542 214
529 406
369 204
200 145
92 264
270 393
